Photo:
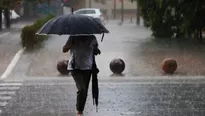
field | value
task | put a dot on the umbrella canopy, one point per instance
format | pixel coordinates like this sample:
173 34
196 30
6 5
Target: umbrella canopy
73 24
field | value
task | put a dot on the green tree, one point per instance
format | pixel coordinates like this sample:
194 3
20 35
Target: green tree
174 18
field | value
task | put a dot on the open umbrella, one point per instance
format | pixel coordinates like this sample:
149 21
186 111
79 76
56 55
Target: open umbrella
73 24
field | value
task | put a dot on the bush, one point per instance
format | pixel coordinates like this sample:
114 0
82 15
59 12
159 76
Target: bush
174 18
28 34
40 22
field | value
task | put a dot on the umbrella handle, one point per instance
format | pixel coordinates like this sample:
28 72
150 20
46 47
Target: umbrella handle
72 10
102 37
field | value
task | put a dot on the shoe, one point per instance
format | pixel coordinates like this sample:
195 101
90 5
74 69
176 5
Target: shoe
79 113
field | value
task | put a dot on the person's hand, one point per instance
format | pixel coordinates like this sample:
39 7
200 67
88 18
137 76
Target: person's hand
68 45
97 51
65 49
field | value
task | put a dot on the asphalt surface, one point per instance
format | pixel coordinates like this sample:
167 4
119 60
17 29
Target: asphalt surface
56 97
120 43
10 44
133 44
35 89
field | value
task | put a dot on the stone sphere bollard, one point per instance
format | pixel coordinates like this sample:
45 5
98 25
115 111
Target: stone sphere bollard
117 66
62 67
169 65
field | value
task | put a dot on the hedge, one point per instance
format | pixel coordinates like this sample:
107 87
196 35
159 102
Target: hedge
28 34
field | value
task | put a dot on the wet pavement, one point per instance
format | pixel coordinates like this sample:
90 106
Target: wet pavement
56 97
121 42
10 44
35 89
142 55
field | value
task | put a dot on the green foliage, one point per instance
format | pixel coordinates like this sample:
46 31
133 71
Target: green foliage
7 3
173 18
40 22
28 35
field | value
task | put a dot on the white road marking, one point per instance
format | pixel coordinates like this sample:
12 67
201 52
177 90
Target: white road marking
12 64
9 88
5 98
2 35
7 92
10 84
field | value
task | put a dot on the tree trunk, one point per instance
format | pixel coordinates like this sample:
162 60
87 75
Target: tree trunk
7 18
0 19
49 2
114 10
199 36
122 11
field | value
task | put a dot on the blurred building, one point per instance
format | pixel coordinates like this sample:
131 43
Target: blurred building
32 9
110 8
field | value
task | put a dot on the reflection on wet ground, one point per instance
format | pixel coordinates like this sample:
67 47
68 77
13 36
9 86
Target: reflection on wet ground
141 54
189 55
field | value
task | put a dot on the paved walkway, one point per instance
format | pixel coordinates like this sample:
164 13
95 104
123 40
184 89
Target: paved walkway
56 97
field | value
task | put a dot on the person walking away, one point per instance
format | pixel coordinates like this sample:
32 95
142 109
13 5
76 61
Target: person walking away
81 52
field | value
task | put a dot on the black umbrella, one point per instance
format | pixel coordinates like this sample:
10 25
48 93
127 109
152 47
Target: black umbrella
77 25
73 24
95 89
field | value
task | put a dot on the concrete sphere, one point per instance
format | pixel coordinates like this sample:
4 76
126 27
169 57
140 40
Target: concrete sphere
62 67
169 65
117 66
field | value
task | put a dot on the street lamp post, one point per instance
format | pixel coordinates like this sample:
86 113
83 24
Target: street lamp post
114 9
138 13
90 3
7 18
122 11
72 10
0 19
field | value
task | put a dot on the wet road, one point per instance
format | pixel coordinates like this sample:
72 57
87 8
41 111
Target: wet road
10 44
122 42
56 97
48 95
132 43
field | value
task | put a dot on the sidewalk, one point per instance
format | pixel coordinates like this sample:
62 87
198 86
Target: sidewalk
145 98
